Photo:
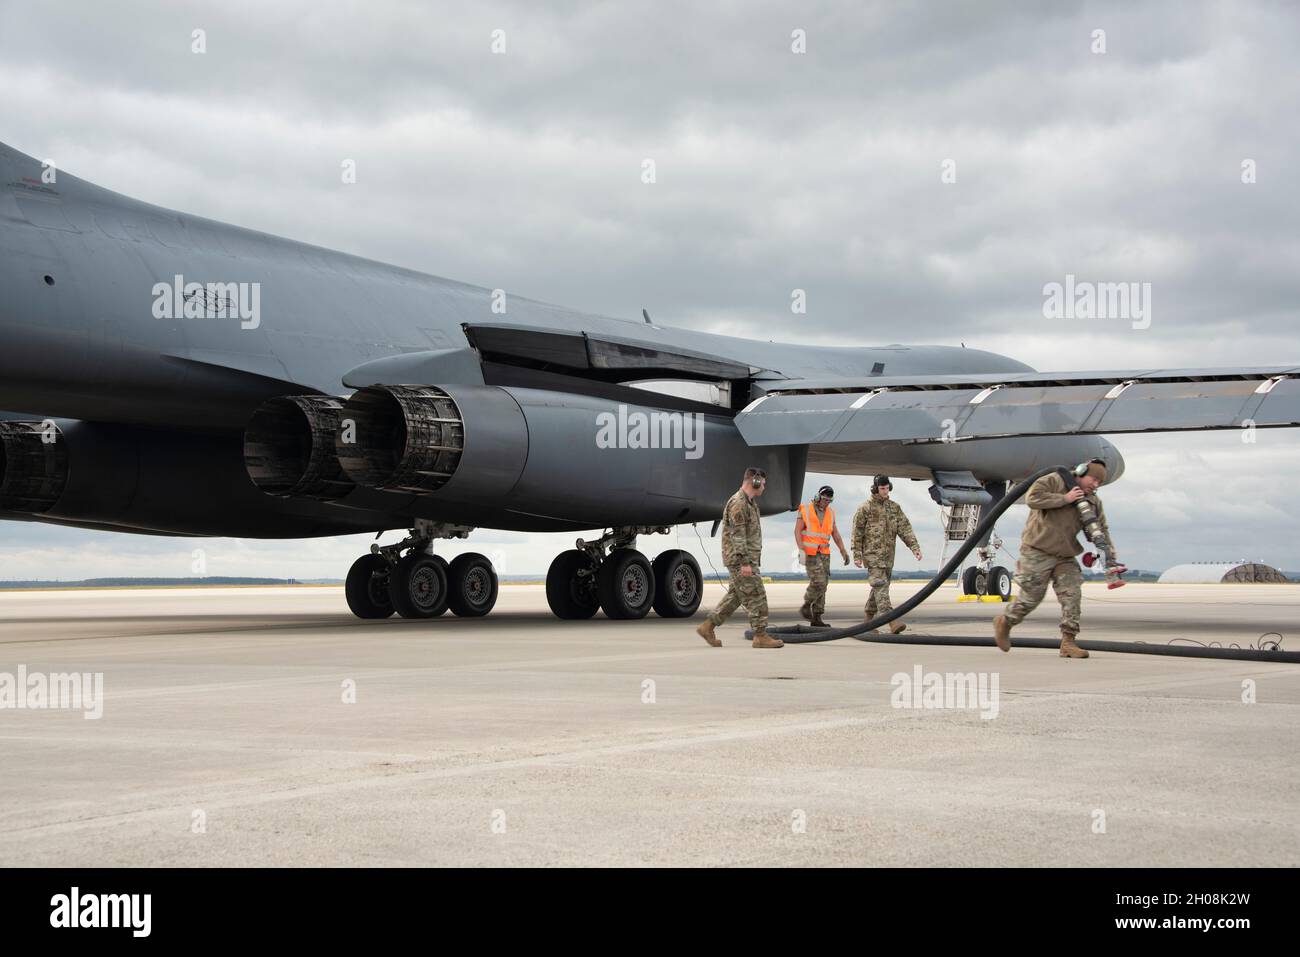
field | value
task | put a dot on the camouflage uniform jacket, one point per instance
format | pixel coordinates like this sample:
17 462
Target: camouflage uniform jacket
742 532
1054 524
876 524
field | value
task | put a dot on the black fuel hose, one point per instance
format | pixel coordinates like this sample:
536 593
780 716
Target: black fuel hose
1126 647
806 634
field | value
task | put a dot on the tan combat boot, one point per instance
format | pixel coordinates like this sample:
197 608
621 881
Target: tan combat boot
1069 649
1002 632
705 631
896 627
816 622
763 640
805 612
873 631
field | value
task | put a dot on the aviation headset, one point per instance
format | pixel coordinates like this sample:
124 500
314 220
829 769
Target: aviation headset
1073 475
880 480
758 479
826 492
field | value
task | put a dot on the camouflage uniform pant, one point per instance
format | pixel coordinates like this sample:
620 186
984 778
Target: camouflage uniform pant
819 576
747 591
878 603
1033 572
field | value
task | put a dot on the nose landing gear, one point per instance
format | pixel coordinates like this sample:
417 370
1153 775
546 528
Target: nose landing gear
962 513
985 578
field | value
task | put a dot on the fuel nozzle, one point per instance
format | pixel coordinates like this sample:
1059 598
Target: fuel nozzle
1114 571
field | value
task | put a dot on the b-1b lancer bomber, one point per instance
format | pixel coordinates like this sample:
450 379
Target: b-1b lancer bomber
167 374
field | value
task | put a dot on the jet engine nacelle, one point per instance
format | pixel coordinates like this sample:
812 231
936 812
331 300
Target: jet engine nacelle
511 457
97 474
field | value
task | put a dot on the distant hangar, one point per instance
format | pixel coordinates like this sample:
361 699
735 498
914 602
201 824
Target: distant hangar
1197 573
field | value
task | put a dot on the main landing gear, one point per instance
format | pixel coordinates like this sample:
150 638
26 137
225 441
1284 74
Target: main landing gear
409 579
610 574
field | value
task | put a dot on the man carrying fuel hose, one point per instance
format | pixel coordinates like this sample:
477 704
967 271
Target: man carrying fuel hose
1061 505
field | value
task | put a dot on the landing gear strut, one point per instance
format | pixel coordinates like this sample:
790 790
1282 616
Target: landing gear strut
408 578
985 578
610 574
962 513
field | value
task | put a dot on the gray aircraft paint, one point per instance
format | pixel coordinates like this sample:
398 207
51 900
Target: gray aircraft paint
167 399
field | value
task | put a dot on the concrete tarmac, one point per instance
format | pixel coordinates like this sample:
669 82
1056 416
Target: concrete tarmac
228 737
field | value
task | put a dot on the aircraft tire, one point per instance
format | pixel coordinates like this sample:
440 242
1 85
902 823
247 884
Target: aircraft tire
366 588
625 585
679 586
418 586
570 597
472 585
999 582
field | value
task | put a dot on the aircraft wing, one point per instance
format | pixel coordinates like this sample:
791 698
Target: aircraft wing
947 408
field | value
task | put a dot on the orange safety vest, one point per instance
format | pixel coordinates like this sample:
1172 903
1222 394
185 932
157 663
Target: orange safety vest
817 535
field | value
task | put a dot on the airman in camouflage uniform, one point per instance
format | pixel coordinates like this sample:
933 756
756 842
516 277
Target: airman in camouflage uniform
1048 547
742 549
876 525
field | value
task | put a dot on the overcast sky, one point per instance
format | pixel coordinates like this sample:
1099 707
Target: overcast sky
775 171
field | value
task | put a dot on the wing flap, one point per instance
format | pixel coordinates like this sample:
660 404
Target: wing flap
920 411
